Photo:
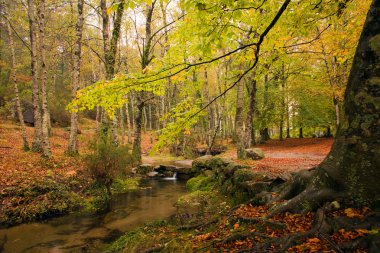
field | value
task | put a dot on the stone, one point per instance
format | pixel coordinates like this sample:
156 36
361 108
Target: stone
143 169
255 187
153 174
255 153
243 175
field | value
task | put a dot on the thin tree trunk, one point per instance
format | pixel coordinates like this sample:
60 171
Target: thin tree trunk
37 143
16 90
128 123
264 133
282 110
43 79
145 60
249 136
145 119
73 140
122 125
136 150
239 122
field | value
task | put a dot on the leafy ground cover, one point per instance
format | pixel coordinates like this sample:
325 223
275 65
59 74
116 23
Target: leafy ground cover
34 188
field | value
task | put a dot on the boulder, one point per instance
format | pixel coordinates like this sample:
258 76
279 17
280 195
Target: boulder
216 150
244 175
255 153
209 162
143 169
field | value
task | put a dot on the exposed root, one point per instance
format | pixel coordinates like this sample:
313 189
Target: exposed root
295 185
307 200
319 226
273 224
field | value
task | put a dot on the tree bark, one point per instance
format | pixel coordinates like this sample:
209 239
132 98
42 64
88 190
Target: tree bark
129 125
73 140
43 78
16 90
36 144
249 131
146 58
239 121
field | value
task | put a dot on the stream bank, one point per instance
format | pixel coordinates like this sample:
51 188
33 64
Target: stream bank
91 233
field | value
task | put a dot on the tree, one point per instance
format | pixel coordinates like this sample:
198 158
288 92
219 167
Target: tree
37 144
15 85
352 167
73 142
43 78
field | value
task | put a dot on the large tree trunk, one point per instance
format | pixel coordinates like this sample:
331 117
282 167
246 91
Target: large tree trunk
16 90
73 142
43 77
352 166
36 144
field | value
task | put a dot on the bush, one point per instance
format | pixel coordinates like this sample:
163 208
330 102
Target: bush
108 161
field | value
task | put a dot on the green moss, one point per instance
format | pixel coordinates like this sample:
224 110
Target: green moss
200 182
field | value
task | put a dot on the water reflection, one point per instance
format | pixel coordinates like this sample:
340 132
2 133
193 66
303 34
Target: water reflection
89 233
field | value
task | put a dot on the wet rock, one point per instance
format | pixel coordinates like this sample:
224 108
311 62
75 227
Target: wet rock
255 153
143 169
153 174
209 162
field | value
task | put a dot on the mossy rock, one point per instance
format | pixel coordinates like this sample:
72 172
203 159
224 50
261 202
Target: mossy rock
209 162
255 187
243 175
228 187
255 153
232 167
143 169
200 182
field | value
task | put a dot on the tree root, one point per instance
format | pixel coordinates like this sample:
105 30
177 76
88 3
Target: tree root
319 226
273 224
307 200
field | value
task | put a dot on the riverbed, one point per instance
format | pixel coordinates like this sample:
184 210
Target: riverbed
90 233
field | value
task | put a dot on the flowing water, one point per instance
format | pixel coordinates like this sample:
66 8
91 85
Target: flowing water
90 233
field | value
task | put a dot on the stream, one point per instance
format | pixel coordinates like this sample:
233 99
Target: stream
73 233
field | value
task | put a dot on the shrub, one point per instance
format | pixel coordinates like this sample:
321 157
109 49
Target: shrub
107 161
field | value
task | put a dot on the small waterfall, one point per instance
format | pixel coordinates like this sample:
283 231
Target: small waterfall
174 177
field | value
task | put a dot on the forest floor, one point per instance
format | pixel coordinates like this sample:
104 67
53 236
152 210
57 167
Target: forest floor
20 168
289 155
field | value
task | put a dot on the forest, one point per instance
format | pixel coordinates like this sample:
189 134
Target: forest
189 126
